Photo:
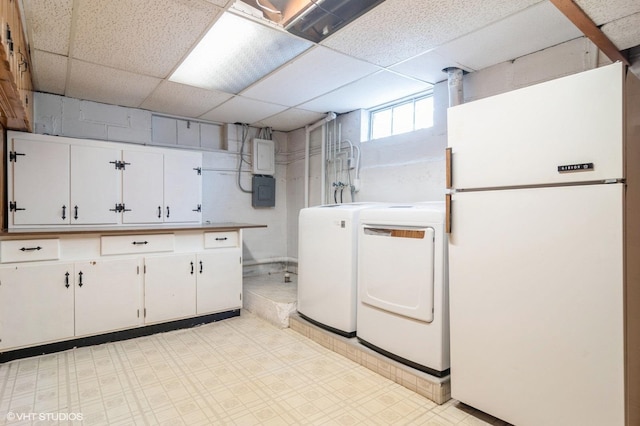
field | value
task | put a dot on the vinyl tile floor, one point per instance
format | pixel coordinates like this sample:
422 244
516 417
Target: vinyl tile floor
240 371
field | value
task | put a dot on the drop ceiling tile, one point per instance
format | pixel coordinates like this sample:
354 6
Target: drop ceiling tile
49 24
624 32
371 91
179 99
427 67
602 12
290 119
318 71
143 36
525 32
400 29
116 87
49 72
242 110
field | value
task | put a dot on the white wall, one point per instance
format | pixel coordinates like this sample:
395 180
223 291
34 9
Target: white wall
222 200
410 167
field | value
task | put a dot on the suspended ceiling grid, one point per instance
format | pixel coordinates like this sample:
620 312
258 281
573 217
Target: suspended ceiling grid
122 52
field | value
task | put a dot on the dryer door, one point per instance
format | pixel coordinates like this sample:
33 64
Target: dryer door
402 283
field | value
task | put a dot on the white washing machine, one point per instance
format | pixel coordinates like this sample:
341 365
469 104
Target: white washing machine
327 256
402 285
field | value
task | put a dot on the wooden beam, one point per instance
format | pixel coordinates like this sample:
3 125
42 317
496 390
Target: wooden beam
581 20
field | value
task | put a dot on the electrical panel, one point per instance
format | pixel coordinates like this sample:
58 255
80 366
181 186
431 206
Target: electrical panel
264 157
264 191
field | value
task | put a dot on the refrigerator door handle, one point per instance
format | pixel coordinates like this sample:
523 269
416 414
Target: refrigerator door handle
448 178
447 212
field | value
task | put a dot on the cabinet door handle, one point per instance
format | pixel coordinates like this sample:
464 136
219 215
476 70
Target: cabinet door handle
66 279
191 268
80 279
201 266
159 212
167 211
75 212
64 212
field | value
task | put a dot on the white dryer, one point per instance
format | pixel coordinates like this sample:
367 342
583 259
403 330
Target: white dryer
327 250
402 285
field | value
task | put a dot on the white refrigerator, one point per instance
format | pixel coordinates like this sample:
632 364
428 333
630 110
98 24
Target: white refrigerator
544 251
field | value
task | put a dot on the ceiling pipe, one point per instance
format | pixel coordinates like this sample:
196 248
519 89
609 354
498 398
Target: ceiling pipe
454 79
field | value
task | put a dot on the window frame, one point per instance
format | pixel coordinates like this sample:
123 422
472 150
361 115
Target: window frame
390 106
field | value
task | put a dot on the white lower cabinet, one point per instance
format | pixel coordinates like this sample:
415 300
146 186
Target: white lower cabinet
36 304
219 280
121 286
169 287
183 285
108 296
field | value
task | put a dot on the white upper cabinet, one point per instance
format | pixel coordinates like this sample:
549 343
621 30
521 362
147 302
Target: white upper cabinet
182 186
60 181
38 183
142 187
95 185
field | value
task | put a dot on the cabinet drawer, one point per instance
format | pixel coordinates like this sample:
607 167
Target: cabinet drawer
220 239
29 250
131 244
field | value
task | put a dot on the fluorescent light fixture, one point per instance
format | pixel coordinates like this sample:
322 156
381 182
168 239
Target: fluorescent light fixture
315 20
235 53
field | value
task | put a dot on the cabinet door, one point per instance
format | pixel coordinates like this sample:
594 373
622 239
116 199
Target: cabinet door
182 187
142 191
39 183
36 304
108 295
169 287
95 185
219 286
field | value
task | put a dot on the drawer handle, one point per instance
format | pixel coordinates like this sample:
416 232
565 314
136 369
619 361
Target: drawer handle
221 238
139 243
30 248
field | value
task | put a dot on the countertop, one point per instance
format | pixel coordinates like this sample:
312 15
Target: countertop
122 230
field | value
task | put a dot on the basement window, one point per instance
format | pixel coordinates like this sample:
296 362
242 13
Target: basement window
405 115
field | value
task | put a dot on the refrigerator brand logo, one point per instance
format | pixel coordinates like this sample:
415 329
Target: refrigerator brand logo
575 167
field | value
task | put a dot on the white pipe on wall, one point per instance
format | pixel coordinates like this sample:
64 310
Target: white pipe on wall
307 152
456 96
